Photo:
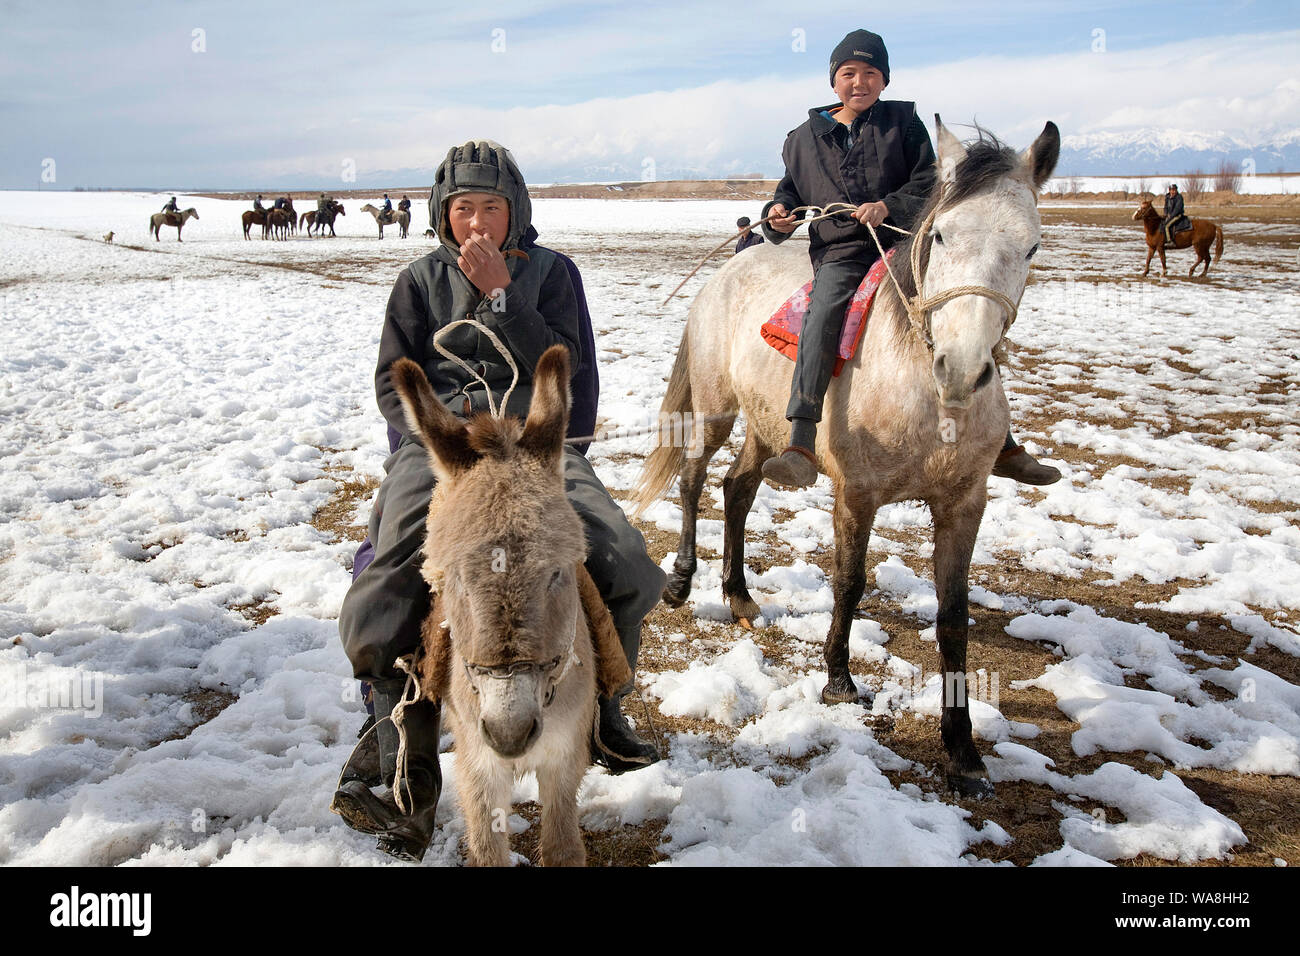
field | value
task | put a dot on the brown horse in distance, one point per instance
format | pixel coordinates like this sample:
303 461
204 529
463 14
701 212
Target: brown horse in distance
277 223
311 220
1202 233
254 217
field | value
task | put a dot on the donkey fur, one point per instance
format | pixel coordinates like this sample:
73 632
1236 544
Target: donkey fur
504 553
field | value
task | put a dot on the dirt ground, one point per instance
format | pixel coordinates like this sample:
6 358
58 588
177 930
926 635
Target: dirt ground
1266 807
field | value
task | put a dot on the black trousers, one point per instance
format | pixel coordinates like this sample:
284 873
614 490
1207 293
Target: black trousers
833 287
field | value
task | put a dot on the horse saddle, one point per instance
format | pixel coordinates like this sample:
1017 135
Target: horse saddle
781 331
1181 224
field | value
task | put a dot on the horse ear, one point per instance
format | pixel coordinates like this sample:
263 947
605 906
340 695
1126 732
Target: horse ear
950 151
548 415
441 432
1040 158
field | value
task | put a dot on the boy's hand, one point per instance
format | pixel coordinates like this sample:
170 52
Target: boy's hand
783 220
482 262
871 212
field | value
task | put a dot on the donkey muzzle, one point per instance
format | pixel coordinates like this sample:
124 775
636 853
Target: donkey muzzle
510 711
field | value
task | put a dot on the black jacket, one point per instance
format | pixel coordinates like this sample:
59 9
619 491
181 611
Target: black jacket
1173 206
890 160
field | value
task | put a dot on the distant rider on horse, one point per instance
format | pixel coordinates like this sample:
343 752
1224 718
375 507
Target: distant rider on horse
257 204
386 213
280 202
171 206
1173 212
404 205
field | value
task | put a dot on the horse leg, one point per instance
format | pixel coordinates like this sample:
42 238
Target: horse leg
738 490
1151 251
1164 268
557 788
955 527
691 483
484 794
853 516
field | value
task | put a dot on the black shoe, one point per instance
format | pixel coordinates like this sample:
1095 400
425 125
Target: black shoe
405 835
614 745
1018 465
794 468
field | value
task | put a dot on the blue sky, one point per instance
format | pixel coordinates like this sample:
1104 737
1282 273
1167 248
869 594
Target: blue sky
282 94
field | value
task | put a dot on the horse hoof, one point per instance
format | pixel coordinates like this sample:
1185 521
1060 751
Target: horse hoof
831 696
976 786
677 590
743 607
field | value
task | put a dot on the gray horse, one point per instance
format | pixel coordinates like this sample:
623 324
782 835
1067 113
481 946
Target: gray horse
918 413
160 219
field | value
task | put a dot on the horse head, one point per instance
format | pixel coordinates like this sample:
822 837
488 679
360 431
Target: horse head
503 546
980 232
1145 210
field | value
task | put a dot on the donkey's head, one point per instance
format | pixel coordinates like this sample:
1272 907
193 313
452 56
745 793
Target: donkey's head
503 544
983 230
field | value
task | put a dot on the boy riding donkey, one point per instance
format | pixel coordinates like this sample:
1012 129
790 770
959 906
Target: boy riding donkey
877 156
488 268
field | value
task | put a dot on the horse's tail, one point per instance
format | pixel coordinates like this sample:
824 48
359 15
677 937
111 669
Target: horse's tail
1218 241
664 463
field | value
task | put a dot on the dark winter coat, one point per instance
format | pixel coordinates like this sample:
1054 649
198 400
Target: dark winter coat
1173 206
744 242
884 156
537 310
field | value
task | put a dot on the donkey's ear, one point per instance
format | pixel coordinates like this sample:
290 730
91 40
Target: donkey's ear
950 151
442 433
548 415
1040 158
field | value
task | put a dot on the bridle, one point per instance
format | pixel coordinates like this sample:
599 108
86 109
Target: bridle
920 306
544 669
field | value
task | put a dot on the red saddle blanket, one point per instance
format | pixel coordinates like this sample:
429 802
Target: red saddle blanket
781 331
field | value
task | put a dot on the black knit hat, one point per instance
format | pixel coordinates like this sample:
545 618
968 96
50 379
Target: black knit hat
861 45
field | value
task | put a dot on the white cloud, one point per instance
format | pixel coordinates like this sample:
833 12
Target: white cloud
1244 84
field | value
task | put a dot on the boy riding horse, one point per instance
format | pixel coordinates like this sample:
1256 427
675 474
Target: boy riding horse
875 155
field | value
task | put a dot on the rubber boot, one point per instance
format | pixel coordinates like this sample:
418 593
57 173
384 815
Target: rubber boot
796 467
363 764
402 834
615 746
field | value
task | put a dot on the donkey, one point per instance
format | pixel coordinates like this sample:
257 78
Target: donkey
515 661
401 218
1199 237
919 412
160 219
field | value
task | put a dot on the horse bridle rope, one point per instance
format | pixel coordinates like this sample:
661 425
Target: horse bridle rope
919 306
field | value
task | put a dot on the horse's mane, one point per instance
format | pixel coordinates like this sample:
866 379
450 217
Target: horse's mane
987 161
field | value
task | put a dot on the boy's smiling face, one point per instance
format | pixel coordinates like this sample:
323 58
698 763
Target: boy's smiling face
484 214
858 85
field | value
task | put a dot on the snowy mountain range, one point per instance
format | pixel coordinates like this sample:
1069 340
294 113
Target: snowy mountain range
1157 150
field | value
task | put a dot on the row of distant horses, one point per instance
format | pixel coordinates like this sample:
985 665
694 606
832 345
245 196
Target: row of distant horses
279 223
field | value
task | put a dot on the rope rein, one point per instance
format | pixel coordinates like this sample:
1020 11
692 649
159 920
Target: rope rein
918 306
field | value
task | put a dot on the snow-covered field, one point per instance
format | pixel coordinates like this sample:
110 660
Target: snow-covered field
175 415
